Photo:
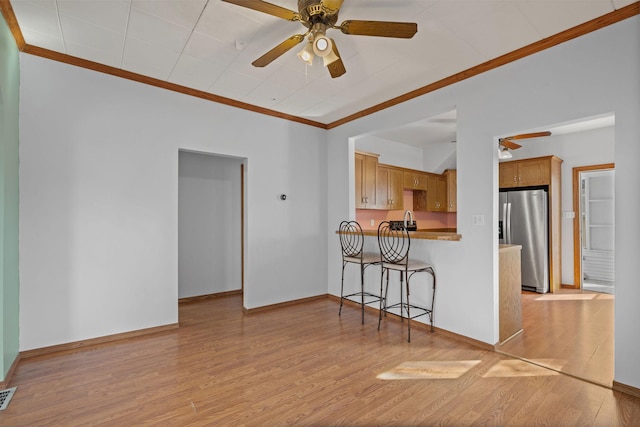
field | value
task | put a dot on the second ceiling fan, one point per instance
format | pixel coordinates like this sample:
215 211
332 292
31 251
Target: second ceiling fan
319 16
507 143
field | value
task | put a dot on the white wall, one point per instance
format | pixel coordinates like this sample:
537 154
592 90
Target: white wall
584 77
99 201
391 152
592 147
209 224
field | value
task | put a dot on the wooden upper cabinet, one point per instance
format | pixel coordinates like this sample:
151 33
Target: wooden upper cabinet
525 173
436 193
389 188
535 172
366 170
414 180
451 177
508 174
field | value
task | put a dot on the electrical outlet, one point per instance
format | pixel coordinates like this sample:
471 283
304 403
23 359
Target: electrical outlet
477 220
373 222
568 215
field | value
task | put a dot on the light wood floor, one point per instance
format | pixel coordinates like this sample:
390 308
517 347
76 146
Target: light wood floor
300 365
570 331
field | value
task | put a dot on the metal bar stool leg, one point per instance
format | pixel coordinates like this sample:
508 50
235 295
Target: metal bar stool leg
433 298
408 312
383 300
362 289
342 289
401 297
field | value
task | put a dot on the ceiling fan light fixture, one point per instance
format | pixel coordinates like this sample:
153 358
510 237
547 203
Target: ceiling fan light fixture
322 45
330 58
306 55
504 153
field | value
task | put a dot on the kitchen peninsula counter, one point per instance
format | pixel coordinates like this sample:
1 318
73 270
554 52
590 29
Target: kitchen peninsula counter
427 234
510 291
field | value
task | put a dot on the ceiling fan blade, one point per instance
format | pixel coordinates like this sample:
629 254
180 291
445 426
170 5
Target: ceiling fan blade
271 9
278 50
336 68
403 30
332 4
509 144
529 135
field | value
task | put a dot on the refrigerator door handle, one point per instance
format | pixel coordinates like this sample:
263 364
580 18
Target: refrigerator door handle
508 227
504 222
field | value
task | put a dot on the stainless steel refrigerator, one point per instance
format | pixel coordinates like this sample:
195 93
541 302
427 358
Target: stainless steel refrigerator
524 220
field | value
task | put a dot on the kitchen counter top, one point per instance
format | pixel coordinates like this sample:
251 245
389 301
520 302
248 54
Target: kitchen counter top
504 248
428 234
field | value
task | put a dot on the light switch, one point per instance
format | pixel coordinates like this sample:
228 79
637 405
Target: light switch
568 215
477 220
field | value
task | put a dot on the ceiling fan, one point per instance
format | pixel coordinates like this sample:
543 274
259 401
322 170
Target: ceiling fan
506 143
319 16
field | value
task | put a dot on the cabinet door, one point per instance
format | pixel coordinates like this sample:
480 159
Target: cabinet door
395 189
389 188
508 174
382 189
436 193
533 172
366 168
452 190
414 180
442 194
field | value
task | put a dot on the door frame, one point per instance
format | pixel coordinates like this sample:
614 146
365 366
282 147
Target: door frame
577 248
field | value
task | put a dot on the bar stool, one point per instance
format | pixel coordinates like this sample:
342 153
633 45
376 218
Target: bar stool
394 243
352 242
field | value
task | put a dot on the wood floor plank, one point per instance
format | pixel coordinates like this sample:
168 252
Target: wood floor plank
571 331
299 365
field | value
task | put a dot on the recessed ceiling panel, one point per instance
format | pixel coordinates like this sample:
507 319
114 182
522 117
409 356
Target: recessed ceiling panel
157 31
550 18
182 13
41 17
111 15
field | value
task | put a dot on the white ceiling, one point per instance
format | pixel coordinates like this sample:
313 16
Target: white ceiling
209 45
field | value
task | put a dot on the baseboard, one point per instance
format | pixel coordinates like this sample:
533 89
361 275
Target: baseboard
623 388
422 326
465 339
283 304
7 379
199 298
95 341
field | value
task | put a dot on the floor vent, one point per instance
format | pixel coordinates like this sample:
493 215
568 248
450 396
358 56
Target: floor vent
5 397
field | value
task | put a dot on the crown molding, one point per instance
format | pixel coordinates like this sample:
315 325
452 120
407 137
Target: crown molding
570 34
12 22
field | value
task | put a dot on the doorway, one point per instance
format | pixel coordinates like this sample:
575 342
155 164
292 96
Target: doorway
572 330
594 226
210 225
